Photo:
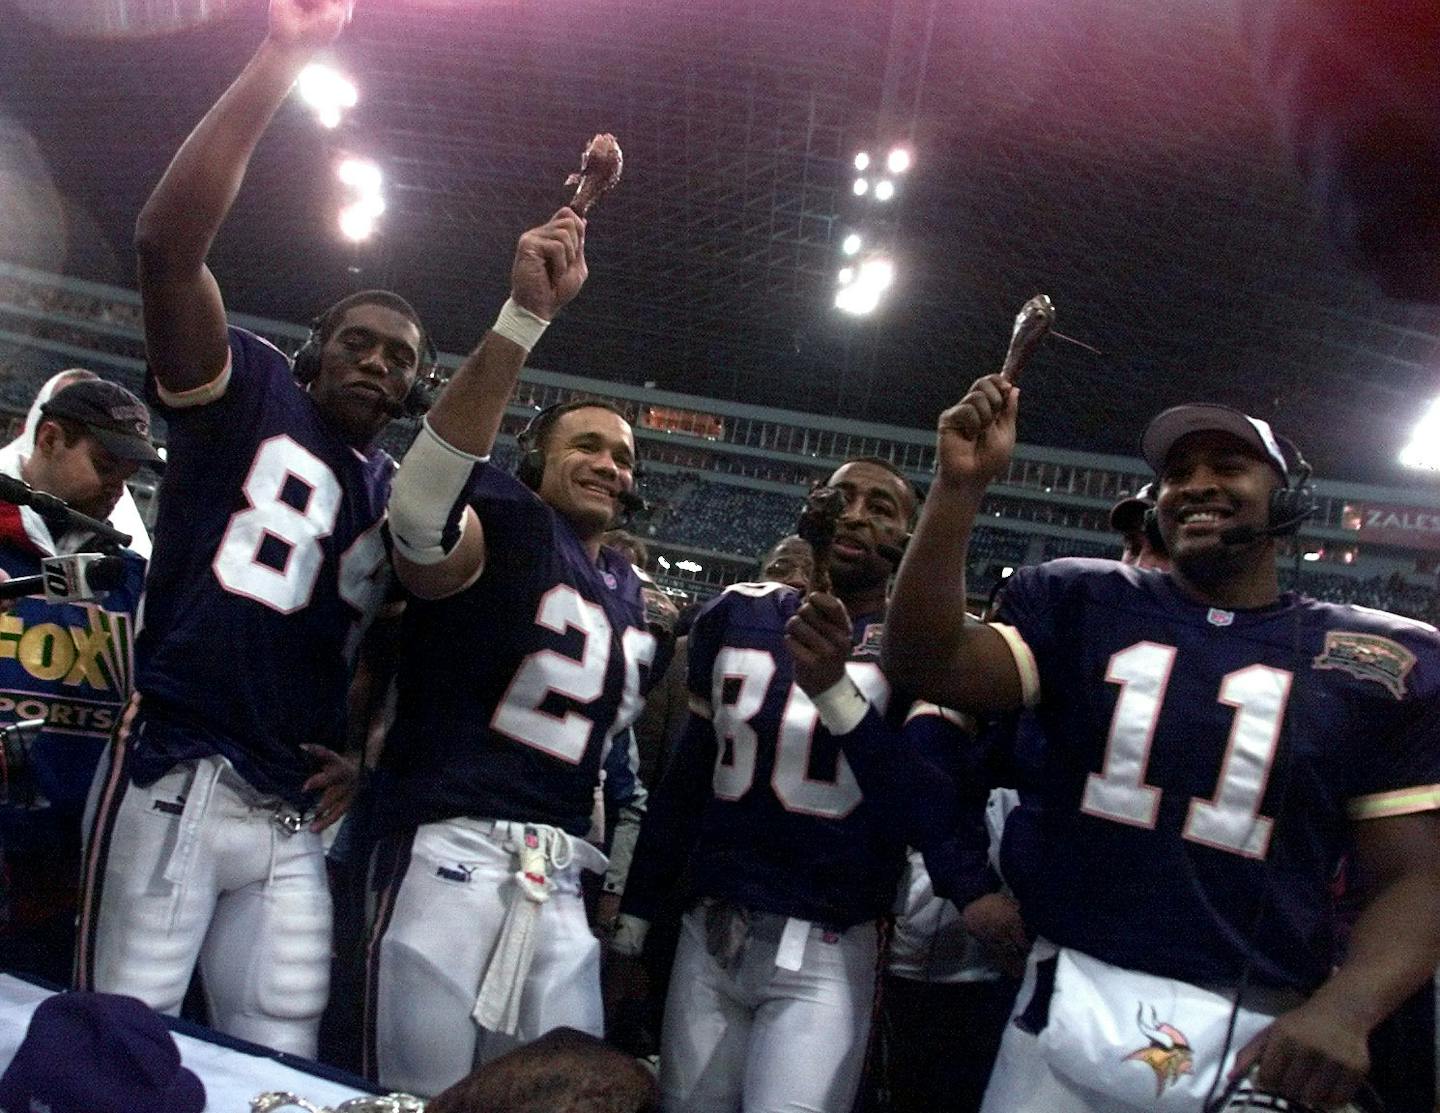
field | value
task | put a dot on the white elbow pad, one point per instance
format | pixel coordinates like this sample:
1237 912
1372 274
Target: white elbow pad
431 479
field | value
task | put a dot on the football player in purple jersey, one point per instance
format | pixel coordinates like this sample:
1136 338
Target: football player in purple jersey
1213 746
779 805
269 563
527 658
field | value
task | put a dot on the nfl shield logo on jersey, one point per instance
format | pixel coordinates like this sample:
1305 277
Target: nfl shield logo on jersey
1217 617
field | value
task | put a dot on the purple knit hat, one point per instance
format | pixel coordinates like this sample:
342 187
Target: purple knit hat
98 1053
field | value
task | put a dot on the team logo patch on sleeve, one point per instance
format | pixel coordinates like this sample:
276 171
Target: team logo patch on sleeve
1368 657
1168 1053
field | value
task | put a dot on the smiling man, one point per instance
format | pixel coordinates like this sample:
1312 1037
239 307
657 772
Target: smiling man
792 863
268 565
527 656
1214 747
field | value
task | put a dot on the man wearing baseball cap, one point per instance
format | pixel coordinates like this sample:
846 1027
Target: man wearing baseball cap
1213 749
64 667
98 435
1133 520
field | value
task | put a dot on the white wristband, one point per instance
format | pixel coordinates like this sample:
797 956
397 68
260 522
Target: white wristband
841 706
430 481
518 325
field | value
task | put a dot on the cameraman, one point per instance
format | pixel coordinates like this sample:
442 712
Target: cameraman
65 664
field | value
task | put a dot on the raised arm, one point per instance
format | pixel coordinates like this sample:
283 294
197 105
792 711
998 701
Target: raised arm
460 431
932 649
184 315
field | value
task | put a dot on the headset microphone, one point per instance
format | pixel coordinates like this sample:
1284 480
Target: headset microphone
1243 535
631 502
888 552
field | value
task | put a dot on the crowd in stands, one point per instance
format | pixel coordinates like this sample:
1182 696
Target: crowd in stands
684 508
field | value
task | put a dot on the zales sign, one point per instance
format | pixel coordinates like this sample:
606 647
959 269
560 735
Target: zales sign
1395 525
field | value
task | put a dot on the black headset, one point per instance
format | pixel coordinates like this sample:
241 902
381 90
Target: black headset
1290 505
530 469
305 366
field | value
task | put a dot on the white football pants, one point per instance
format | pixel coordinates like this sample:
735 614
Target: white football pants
196 866
439 912
761 1038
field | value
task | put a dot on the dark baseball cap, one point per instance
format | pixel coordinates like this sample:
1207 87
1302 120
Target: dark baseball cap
1169 426
1127 514
109 413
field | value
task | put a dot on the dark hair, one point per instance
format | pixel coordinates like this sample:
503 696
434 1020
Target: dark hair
634 549
881 462
564 1071
329 321
536 434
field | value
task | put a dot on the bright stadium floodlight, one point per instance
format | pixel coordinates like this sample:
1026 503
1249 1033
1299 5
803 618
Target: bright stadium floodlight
359 174
687 566
327 91
846 275
884 189
850 244
898 161
860 292
860 186
862 161
665 564
1423 451
356 222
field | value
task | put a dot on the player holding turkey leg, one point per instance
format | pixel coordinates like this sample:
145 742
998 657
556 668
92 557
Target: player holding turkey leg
793 863
1213 747
268 565
527 656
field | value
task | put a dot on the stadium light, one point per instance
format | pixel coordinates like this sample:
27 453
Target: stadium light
846 275
359 174
898 161
357 222
861 185
851 243
861 293
327 91
884 189
862 161
663 563
1423 451
687 566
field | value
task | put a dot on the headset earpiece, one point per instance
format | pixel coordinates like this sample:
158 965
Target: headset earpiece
1151 525
305 364
1293 503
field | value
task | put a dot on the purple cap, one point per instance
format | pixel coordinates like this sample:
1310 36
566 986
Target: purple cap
99 1053
1169 426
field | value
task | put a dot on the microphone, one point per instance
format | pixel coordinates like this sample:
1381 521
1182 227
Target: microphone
20 493
891 553
631 502
1244 535
77 578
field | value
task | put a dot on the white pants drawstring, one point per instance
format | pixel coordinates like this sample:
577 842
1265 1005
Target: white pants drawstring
540 851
